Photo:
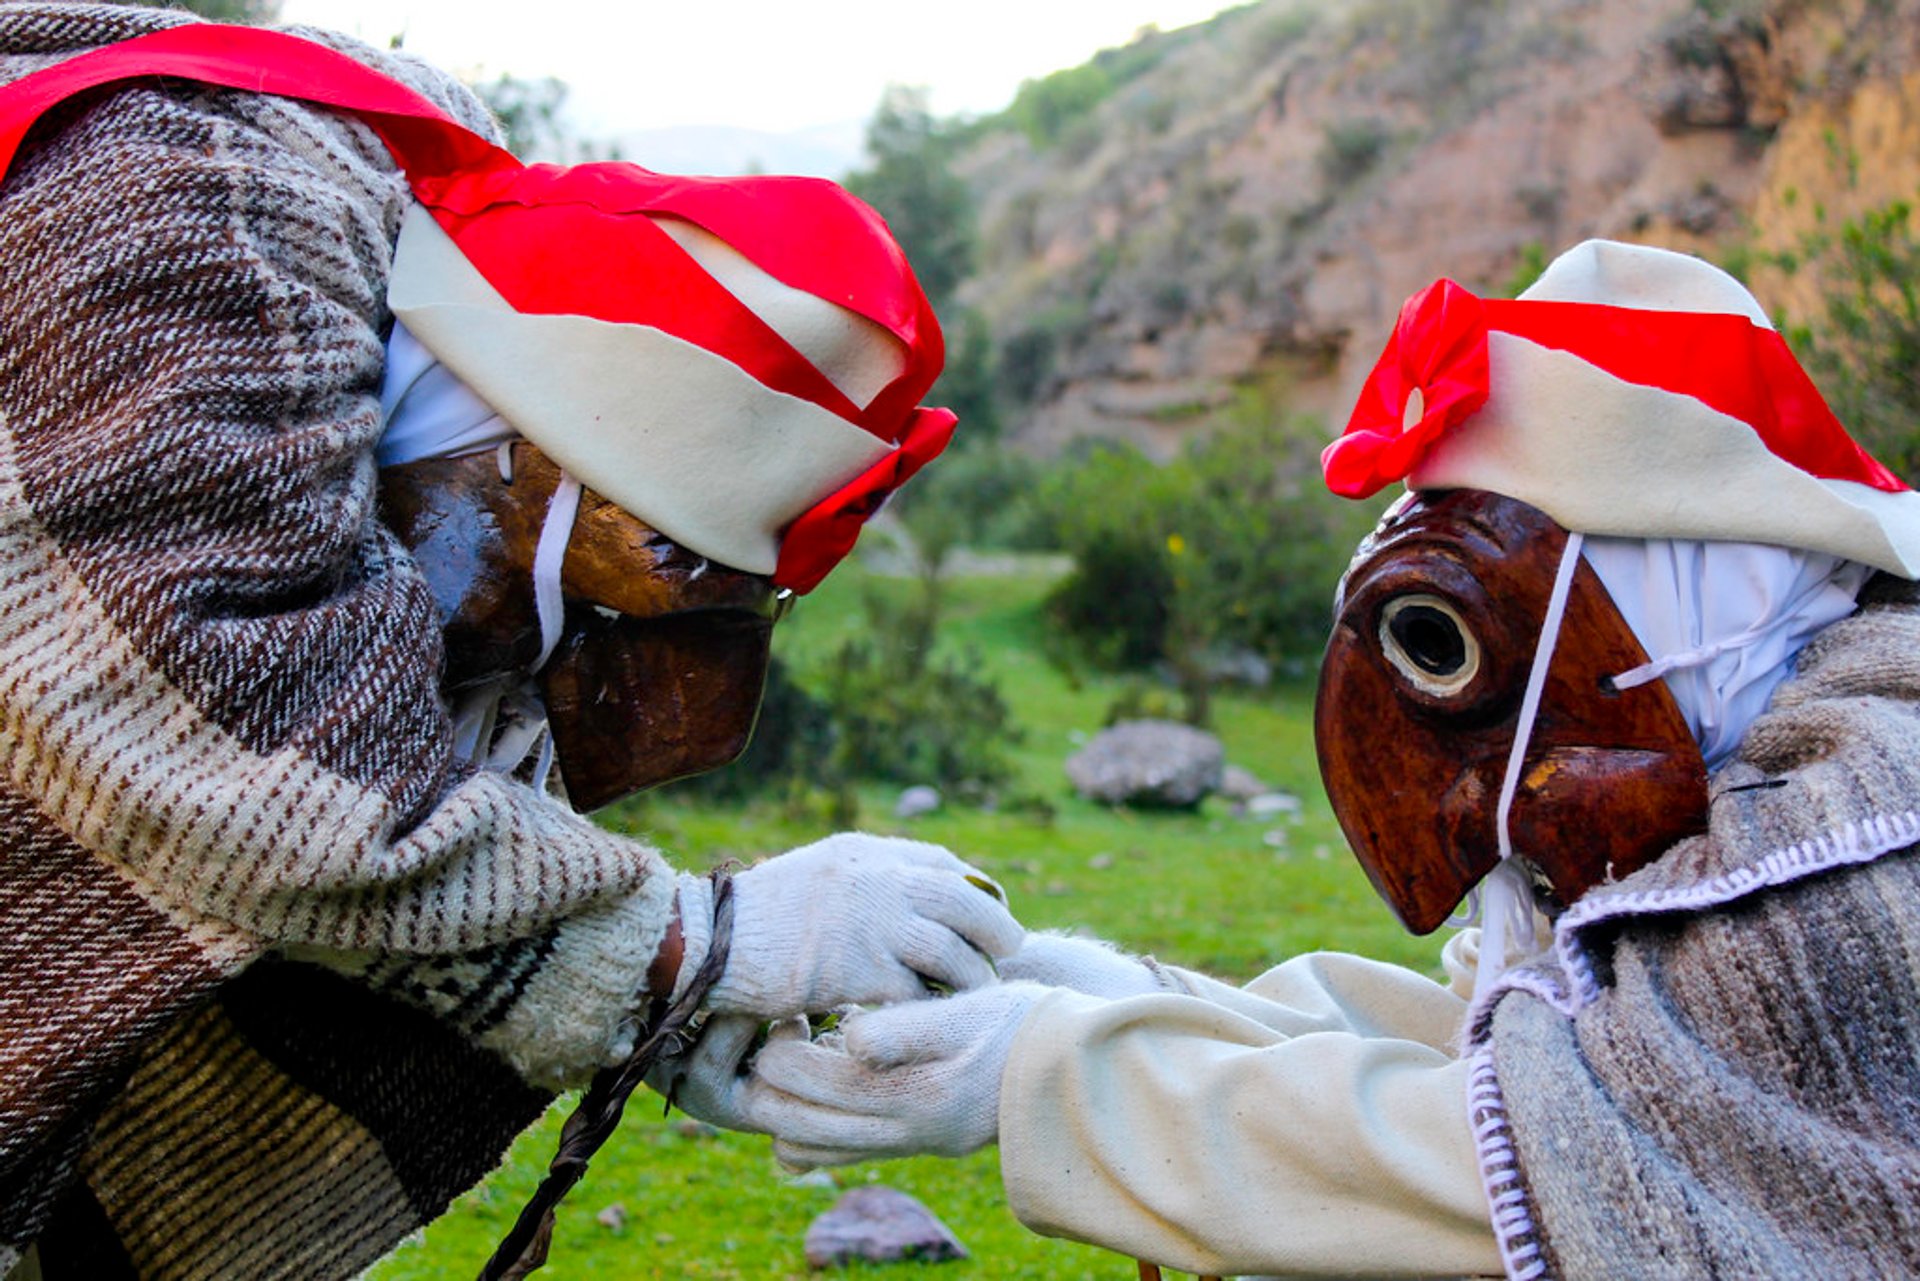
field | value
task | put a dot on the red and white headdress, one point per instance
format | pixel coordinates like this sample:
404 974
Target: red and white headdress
1632 392
737 362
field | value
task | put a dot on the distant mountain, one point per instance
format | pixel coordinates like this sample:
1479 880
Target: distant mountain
1238 208
826 151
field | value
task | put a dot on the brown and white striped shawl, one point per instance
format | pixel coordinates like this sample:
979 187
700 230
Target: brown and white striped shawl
277 976
1720 1077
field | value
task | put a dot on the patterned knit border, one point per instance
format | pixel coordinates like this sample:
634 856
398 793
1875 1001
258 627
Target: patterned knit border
1858 842
1543 985
1513 1225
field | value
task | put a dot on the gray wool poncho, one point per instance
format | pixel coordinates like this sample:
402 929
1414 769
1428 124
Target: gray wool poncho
1718 1074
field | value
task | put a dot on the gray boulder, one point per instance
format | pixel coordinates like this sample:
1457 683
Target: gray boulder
879 1224
916 801
1240 784
1161 764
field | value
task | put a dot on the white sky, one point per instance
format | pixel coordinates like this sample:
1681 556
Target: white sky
777 65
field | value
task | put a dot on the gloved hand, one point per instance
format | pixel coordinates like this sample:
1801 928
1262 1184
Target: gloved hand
1087 965
849 920
919 1077
711 1081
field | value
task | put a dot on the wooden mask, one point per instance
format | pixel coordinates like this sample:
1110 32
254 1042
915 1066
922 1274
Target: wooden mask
1436 625
663 655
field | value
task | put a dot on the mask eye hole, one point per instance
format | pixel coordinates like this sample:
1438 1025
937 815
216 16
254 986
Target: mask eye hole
1427 643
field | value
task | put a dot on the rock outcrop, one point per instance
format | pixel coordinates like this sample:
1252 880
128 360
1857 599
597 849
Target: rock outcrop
1250 210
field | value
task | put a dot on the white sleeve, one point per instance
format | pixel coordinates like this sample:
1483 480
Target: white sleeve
1340 992
1246 1134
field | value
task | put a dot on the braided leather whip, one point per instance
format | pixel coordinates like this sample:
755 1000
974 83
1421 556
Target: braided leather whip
524 1248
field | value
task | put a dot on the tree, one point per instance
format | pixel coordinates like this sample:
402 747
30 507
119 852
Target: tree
529 112
912 184
930 212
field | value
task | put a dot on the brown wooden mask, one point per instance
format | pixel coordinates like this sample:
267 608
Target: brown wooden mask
1435 630
663 657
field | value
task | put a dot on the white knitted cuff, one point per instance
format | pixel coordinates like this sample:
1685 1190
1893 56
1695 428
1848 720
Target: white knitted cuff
578 1012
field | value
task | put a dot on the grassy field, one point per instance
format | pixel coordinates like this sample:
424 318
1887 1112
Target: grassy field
1208 889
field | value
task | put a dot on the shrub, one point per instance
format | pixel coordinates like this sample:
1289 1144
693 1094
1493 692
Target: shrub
1350 148
1117 602
978 495
1276 33
1234 543
1047 108
882 707
1863 348
1027 363
903 714
1528 267
1043 108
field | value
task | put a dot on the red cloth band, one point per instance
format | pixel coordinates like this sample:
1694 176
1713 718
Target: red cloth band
1726 362
580 241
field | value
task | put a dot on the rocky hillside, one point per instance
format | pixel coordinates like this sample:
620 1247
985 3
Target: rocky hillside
1246 203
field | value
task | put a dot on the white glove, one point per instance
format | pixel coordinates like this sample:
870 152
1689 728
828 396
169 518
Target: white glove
849 920
922 1077
710 1082
1086 965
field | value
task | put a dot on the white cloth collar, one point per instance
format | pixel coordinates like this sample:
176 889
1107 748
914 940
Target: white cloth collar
1722 622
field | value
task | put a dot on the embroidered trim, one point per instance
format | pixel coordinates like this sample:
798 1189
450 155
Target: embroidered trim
1539 983
1514 1228
1858 842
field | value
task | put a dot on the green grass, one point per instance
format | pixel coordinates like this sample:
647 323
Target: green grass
1209 890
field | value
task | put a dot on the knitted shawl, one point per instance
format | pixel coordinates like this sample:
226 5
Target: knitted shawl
278 976
1718 1075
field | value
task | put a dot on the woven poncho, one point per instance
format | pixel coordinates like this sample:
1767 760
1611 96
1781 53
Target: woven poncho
1717 1074
278 977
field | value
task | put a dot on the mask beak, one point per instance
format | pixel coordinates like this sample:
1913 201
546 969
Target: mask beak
633 703
1419 700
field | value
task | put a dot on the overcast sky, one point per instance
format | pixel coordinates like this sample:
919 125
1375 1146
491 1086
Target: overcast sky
776 65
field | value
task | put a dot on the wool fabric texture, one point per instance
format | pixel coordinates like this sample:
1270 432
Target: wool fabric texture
279 975
1715 1073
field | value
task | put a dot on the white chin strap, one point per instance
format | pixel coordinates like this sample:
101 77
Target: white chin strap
1503 901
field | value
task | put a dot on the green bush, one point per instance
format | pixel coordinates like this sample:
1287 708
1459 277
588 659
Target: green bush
1117 603
1044 108
1350 148
1027 361
977 495
1864 348
904 714
880 707
1234 544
